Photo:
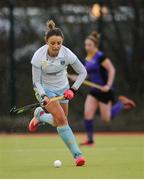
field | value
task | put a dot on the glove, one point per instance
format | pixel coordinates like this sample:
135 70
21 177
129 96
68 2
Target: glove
69 93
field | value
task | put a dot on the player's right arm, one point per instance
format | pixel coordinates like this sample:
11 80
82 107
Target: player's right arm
36 77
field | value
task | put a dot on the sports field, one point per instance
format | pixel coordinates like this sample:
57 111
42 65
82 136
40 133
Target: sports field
32 156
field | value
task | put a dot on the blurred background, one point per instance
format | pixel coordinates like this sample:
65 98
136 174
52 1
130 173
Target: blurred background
22 25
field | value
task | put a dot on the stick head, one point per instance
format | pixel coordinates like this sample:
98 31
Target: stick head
12 110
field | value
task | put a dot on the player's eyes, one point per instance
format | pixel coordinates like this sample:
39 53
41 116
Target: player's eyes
52 43
59 42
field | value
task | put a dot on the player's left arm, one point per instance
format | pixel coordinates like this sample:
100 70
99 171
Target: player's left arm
107 64
78 67
81 71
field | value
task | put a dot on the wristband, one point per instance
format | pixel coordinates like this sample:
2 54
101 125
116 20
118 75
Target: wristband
73 90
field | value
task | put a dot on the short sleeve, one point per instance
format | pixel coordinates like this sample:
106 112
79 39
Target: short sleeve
70 56
35 61
102 58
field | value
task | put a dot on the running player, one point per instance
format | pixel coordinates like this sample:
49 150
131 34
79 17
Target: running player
100 71
49 73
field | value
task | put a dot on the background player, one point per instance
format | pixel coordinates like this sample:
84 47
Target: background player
100 71
49 65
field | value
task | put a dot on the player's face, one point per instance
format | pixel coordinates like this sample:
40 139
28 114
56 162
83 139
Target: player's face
54 43
89 46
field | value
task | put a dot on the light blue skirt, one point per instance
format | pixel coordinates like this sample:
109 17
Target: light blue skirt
53 93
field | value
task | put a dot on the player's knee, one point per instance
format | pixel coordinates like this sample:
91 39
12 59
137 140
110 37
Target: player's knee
88 115
61 119
106 119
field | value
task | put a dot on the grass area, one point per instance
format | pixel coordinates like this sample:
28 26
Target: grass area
114 156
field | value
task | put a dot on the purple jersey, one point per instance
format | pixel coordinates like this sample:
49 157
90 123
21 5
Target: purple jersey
96 72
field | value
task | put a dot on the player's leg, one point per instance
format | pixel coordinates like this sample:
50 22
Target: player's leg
127 102
40 114
122 103
105 111
116 109
41 118
47 117
65 108
91 105
108 111
64 130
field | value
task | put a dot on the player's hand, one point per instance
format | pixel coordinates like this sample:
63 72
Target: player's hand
105 88
46 100
69 94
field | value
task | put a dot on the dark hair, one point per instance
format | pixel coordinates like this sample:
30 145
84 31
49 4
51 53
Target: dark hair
51 30
94 36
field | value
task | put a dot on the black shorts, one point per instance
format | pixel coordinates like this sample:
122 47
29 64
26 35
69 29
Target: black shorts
104 97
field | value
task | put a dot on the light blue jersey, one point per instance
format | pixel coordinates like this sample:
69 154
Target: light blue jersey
50 73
